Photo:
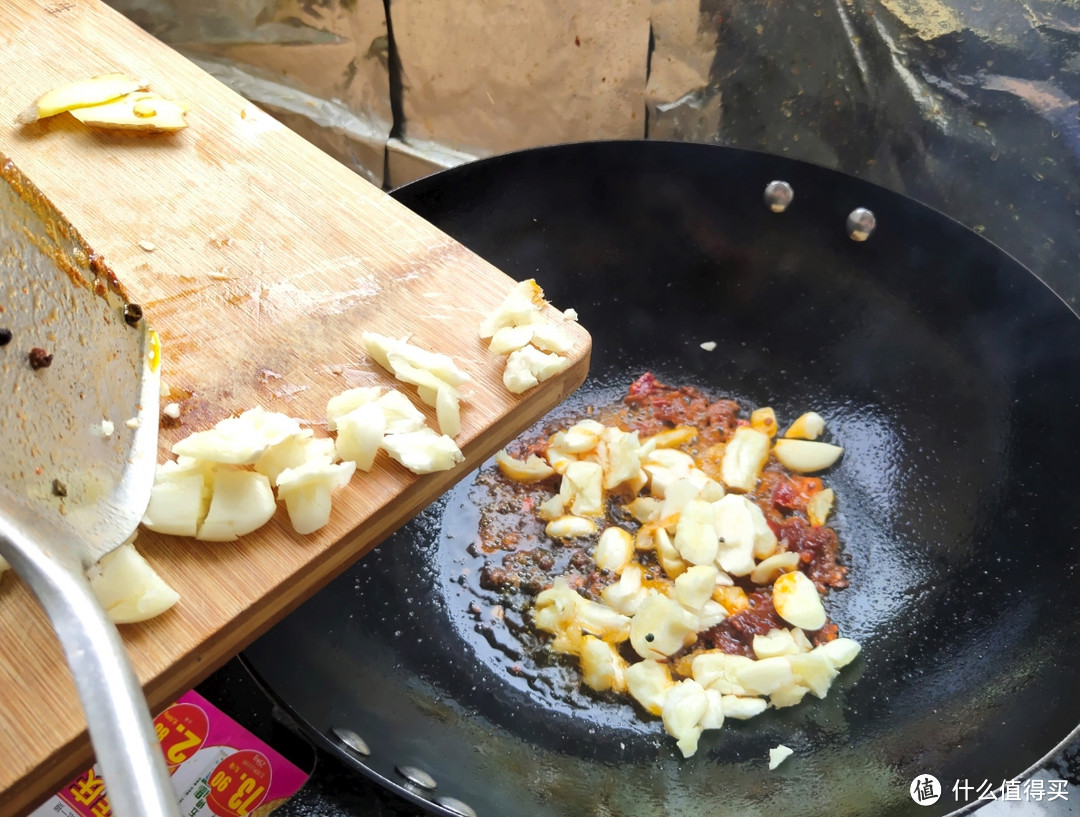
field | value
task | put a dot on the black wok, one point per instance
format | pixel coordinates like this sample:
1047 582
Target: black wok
950 374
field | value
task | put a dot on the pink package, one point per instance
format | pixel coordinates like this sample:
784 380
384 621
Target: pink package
218 769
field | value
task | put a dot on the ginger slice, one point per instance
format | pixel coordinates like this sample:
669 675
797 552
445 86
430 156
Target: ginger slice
93 91
135 111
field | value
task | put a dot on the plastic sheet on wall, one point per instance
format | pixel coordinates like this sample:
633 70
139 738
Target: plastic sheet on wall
968 105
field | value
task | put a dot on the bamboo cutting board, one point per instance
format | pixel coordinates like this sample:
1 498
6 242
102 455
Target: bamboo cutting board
260 261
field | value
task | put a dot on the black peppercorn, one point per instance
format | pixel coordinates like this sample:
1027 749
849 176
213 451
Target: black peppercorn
39 358
132 314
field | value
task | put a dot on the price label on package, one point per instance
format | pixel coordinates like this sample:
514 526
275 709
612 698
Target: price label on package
217 768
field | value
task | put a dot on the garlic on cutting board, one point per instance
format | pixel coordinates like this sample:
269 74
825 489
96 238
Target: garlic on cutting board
535 347
128 588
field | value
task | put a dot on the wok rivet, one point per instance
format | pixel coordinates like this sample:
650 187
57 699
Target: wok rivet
418 777
860 224
351 740
456 806
778 196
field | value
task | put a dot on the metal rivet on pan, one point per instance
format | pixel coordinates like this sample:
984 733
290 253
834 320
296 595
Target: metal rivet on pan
860 224
352 740
778 196
456 806
418 777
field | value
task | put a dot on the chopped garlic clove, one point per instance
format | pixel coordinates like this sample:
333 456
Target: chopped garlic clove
764 420
695 535
602 667
128 588
603 622
551 509
239 440
242 501
734 524
648 683
550 338
667 555
386 351
308 507
661 626
293 452
556 456
775 643
178 501
556 607
621 457
743 708
789 695
424 451
614 550
710 614
744 456
626 595
779 755
528 366
798 602
582 488
801 641
719 670
533 469
840 651
519 308
428 396
307 491
813 670
804 456
448 411
669 438
733 598
765 541
671 458
695 587
765 675
582 437
682 711
508 339
402 417
819 506
570 527
714 713
360 435
768 569
427 384
808 426
341 404
644 508
677 494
